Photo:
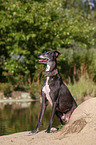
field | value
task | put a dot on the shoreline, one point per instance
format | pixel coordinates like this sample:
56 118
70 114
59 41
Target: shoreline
80 130
17 100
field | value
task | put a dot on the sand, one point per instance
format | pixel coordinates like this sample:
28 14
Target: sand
81 130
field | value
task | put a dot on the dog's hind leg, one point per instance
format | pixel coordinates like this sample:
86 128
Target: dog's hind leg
59 116
63 118
66 116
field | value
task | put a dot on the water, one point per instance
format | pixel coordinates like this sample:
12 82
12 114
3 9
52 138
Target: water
19 117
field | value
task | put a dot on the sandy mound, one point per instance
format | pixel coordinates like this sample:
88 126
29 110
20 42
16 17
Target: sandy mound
80 130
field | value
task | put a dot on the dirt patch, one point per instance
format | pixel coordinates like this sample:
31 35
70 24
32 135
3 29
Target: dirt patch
76 126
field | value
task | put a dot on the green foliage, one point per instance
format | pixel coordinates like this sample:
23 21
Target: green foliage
84 88
77 62
7 90
29 27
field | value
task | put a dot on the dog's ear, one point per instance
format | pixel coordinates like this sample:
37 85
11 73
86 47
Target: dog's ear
56 53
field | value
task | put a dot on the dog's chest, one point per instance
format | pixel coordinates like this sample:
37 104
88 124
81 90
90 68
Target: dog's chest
46 90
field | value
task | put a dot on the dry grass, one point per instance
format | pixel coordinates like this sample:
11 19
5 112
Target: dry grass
85 87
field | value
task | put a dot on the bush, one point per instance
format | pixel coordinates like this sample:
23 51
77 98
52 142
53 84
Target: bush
29 27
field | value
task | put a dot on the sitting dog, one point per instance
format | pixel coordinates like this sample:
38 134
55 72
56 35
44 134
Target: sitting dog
54 91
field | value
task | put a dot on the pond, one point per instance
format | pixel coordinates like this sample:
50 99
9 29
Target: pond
19 117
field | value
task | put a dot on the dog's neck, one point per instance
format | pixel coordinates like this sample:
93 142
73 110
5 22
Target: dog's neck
51 70
50 74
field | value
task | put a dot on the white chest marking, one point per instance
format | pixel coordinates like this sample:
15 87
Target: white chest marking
46 90
48 68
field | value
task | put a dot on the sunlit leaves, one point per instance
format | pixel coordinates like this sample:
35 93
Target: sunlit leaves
29 27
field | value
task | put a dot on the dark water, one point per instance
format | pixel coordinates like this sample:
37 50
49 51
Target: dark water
18 117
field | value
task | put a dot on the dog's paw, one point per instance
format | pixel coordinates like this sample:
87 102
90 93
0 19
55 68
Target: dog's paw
33 132
47 131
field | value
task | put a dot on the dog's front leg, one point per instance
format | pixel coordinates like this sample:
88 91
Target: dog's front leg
43 107
52 116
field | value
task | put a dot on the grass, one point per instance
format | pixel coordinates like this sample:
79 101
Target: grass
80 90
85 87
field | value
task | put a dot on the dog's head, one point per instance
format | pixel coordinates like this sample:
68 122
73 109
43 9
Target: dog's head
48 56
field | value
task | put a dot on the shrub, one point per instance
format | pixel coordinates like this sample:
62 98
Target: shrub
29 27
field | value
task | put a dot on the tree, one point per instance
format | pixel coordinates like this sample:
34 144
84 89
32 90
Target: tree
29 27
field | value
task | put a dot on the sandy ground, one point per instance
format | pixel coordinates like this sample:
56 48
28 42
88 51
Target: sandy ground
81 130
43 138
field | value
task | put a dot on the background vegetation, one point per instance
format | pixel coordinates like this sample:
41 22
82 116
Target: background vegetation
28 27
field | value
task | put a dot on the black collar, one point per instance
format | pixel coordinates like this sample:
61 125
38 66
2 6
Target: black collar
51 73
